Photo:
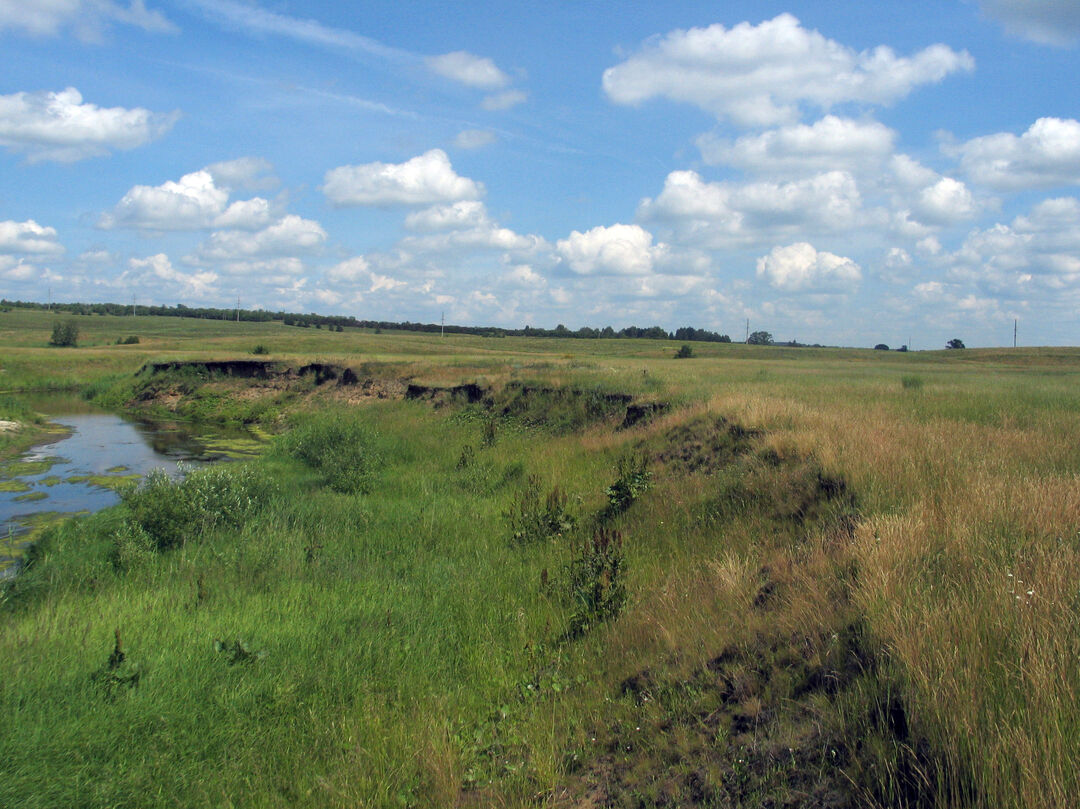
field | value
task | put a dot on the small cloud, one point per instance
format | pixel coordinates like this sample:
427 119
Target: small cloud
801 268
28 237
503 101
423 180
474 138
58 126
1048 22
468 69
89 18
615 250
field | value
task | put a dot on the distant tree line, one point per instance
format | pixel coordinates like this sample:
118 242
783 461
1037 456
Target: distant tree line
339 322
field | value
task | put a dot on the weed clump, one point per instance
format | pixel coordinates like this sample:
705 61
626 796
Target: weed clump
164 513
130 340
597 581
632 481
534 518
911 382
340 447
117 672
260 349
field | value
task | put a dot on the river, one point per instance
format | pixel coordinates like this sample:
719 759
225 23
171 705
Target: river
80 472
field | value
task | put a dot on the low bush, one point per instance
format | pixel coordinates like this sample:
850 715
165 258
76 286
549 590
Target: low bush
337 445
130 340
164 513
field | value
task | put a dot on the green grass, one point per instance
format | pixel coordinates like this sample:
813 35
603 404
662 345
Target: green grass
815 559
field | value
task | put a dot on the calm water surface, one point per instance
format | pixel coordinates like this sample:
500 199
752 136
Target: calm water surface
101 444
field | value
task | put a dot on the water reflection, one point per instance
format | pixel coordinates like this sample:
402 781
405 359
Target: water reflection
76 473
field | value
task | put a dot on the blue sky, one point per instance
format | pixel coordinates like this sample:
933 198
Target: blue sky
839 172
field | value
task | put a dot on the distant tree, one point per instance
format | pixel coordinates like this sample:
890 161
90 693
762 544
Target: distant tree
955 342
65 333
902 348
881 347
759 338
684 352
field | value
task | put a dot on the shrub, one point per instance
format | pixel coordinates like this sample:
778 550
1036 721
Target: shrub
130 340
881 347
260 349
170 512
65 333
911 382
684 353
338 446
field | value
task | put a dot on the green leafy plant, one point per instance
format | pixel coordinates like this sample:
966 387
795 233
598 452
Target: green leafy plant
534 518
685 352
166 513
633 478
260 349
597 580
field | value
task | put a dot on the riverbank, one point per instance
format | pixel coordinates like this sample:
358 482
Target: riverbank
799 584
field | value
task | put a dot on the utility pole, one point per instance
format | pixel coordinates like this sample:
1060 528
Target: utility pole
442 327
237 308
1015 321
747 330
133 306
50 298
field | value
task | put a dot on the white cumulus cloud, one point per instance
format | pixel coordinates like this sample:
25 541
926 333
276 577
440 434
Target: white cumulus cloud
289 236
1046 155
615 250
158 273
467 213
722 213
28 237
425 179
758 75
832 143
801 268
196 201
191 203
470 70
947 201
244 174
59 126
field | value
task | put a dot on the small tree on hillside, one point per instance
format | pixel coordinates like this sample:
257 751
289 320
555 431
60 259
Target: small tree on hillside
881 347
759 338
65 333
956 342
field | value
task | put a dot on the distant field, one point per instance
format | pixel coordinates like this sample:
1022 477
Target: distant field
807 577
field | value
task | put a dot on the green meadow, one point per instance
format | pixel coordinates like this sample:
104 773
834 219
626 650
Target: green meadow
791 577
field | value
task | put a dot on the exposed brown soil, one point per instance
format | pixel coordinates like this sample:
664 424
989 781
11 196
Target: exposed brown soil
167 383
